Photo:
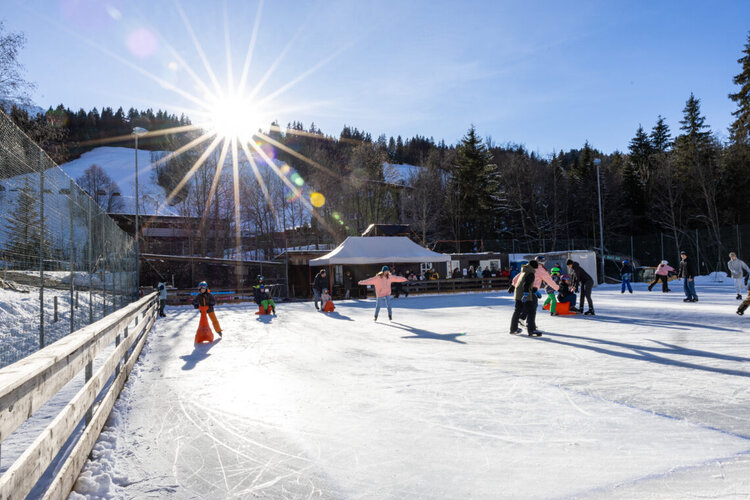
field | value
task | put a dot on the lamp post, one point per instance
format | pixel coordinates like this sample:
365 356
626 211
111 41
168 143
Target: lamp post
598 162
137 132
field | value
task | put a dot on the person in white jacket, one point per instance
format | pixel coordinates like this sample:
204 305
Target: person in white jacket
737 268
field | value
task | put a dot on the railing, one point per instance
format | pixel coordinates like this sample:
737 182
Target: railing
181 297
439 286
27 384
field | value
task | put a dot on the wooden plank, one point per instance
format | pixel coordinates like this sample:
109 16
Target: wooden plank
21 477
66 477
26 385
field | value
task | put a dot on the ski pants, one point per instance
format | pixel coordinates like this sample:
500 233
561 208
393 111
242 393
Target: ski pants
387 300
268 303
689 287
214 321
664 282
739 285
162 303
586 293
552 301
528 309
570 298
626 282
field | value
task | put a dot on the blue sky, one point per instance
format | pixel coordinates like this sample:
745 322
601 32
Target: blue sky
547 74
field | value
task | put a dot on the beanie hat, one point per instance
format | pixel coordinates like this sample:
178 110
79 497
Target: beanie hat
664 262
555 270
569 262
683 252
385 268
534 264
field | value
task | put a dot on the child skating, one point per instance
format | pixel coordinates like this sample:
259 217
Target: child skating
266 302
205 302
551 299
382 283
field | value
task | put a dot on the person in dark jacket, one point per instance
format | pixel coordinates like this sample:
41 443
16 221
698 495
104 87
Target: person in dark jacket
581 280
626 274
687 273
162 289
526 296
260 283
565 294
348 284
319 283
206 298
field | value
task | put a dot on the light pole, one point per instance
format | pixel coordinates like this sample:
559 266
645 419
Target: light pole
137 132
598 162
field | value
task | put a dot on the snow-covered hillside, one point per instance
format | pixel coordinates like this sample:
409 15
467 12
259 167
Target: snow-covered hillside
648 399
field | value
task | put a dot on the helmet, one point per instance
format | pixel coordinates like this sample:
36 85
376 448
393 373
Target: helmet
202 284
625 261
555 270
541 259
260 277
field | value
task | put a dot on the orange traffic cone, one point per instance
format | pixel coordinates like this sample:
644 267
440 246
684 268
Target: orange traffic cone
204 333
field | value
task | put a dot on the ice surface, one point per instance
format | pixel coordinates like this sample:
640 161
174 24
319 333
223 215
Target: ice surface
648 399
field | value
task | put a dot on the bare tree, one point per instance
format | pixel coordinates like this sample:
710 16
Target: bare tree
101 188
13 88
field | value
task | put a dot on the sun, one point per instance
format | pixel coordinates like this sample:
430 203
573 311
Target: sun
234 117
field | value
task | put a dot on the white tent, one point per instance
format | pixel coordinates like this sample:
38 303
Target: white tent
378 250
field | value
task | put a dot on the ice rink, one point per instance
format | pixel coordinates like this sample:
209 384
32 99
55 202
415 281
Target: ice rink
648 399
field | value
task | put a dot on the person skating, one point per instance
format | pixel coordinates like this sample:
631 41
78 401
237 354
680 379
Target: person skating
662 274
566 294
525 296
206 299
541 278
162 288
382 283
626 274
581 280
266 301
319 283
259 282
687 274
551 299
738 268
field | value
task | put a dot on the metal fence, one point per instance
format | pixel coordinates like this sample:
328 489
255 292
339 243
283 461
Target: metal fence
64 263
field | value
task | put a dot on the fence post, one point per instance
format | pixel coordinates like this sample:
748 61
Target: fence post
41 249
662 245
55 301
91 267
72 260
697 252
739 244
76 299
87 377
632 253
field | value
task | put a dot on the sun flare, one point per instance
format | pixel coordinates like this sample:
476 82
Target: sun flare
234 117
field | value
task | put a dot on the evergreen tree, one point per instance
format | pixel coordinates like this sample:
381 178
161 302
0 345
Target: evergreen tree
661 138
24 228
635 171
740 129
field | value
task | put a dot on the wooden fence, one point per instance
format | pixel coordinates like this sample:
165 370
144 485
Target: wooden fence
27 384
184 296
437 286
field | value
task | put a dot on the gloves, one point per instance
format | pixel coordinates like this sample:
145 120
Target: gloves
538 294
525 297
511 288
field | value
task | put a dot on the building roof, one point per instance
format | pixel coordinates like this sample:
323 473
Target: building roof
379 250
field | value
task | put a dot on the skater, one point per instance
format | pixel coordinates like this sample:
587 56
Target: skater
738 268
320 282
325 300
526 295
382 283
348 284
551 299
566 294
266 302
256 289
206 299
626 274
162 288
662 274
687 273
581 279
540 276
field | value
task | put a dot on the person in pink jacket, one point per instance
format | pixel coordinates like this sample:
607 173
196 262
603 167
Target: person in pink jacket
662 274
382 283
541 275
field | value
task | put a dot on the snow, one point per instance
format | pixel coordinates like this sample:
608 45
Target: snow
648 399
402 173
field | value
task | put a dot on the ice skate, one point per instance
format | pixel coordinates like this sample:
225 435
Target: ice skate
535 333
515 332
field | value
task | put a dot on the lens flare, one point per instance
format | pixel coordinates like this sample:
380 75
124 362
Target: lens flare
317 199
285 169
297 179
142 43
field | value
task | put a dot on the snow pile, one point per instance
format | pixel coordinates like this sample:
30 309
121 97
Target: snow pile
646 399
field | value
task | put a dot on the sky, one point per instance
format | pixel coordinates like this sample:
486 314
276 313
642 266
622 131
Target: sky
548 75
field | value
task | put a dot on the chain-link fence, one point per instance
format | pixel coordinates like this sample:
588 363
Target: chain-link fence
64 263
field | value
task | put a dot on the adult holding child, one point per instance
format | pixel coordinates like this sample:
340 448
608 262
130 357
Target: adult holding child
382 283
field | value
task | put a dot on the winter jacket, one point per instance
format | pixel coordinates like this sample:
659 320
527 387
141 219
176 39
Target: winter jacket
348 282
486 273
687 269
736 268
204 299
382 283
320 282
258 296
162 291
664 269
564 290
579 276
627 269
556 281
325 297
525 282
540 275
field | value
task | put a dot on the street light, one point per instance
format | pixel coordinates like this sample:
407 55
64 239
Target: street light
137 132
598 162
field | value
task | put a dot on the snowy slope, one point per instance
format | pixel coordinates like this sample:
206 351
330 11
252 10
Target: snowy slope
648 399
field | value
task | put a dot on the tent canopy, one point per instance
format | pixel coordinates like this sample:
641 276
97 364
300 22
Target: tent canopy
378 250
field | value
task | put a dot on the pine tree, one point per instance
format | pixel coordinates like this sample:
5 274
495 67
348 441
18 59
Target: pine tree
635 172
24 227
739 131
661 138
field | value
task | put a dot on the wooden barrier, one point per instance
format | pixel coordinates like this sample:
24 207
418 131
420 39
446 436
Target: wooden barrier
26 385
184 296
441 286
